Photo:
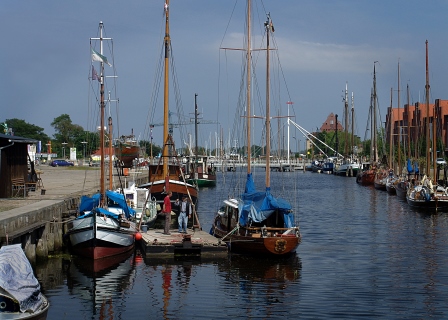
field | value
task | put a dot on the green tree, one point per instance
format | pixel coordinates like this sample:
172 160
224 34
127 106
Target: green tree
23 129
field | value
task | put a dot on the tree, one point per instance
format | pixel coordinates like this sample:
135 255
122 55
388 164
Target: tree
23 129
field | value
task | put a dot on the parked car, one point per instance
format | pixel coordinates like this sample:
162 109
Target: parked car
441 162
60 163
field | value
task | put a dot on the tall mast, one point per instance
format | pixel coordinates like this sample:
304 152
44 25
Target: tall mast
249 76
375 154
110 152
195 130
268 111
102 112
353 124
346 121
409 125
428 157
399 123
391 136
167 41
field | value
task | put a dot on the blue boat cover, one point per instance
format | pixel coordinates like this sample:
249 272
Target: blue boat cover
89 203
416 167
17 278
257 206
410 169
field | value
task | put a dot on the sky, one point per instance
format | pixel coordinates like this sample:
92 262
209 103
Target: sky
322 44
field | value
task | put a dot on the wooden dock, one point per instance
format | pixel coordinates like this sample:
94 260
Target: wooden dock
195 243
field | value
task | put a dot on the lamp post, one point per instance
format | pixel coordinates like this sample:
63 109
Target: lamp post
63 149
84 148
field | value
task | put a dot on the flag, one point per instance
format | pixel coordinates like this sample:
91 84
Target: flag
99 57
272 26
95 75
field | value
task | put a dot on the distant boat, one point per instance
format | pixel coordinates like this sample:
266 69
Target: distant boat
105 227
199 171
257 223
367 174
127 150
20 292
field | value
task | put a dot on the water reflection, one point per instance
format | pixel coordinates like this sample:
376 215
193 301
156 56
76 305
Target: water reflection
97 282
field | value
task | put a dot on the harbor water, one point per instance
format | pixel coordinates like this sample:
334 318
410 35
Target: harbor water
364 254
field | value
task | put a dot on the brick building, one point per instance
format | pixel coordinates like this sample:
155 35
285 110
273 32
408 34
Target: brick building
415 116
330 124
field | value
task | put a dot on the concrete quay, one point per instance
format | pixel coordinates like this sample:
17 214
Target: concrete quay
37 220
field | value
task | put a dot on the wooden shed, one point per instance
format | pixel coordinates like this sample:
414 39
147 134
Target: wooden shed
13 162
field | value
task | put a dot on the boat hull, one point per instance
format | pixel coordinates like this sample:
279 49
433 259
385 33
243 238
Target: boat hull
401 189
255 244
127 153
98 237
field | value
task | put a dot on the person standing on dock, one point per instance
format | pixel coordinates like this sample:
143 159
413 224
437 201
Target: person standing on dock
185 213
167 211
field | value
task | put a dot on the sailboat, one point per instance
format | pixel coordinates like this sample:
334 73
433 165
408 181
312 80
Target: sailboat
105 226
127 150
200 171
257 223
167 175
367 176
426 194
350 166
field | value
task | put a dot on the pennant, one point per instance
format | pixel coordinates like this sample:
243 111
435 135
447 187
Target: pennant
99 57
95 75
271 25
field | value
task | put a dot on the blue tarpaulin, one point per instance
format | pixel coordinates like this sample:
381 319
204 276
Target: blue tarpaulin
257 206
410 169
89 203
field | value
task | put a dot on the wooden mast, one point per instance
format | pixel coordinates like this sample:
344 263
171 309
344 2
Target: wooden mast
249 76
428 157
268 111
391 136
110 152
408 126
399 124
166 95
102 109
375 152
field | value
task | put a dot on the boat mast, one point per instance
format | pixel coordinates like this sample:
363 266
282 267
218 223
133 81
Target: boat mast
102 113
167 41
195 131
249 76
268 25
375 151
399 123
110 152
428 157
353 125
391 136
346 121
408 129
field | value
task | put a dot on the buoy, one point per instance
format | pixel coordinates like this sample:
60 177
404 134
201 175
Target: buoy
138 236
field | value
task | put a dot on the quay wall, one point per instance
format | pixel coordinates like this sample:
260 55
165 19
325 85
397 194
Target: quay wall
38 221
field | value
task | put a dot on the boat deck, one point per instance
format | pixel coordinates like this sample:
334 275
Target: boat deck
195 243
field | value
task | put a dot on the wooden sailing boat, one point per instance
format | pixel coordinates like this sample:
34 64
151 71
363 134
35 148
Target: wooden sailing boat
367 176
426 194
201 172
167 174
105 227
127 150
257 223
